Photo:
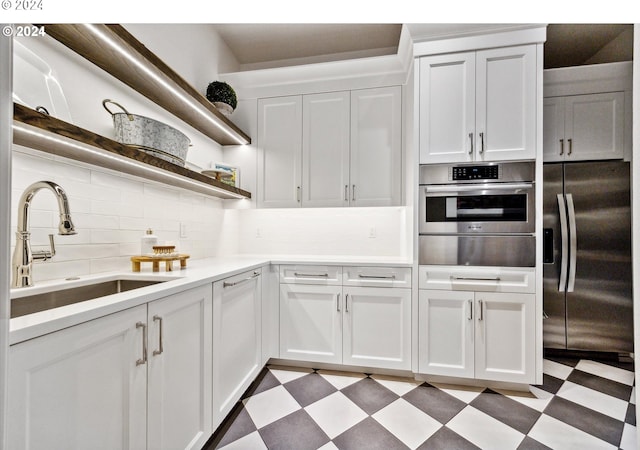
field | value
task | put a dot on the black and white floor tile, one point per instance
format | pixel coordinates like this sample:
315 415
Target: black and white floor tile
582 404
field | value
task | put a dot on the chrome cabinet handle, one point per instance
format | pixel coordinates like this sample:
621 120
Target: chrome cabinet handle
471 141
227 284
160 346
298 194
573 243
481 143
564 253
310 275
346 303
346 192
561 146
480 304
377 277
338 302
453 278
570 146
470 305
143 360
353 192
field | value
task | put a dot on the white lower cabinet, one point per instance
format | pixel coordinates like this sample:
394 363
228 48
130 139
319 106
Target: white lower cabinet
483 335
377 327
237 351
136 379
81 387
354 325
311 323
179 386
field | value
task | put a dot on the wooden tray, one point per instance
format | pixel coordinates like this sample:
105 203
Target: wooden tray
156 260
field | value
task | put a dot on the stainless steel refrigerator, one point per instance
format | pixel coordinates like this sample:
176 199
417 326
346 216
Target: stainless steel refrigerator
587 257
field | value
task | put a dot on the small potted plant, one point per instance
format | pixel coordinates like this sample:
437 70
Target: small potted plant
222 96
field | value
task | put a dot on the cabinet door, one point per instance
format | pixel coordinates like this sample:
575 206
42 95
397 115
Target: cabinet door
377 327
325 149
180 370
554 145
445 330
505 337
447 108
311 323
506 103
237 350
594 126
81 387
376 147
279 152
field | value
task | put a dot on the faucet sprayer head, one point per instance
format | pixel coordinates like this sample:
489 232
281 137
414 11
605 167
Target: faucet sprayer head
66 226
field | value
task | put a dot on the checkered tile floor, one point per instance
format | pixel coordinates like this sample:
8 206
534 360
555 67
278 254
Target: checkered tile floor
582 404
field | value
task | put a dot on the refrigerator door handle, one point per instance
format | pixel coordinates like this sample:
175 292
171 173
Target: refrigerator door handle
573 243
564 251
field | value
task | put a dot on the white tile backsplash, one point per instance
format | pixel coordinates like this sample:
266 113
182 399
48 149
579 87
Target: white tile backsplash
111 212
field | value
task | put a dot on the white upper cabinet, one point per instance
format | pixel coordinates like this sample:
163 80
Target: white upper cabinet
584 127
279 156
376 147
447 108
325 149
478 106
331 149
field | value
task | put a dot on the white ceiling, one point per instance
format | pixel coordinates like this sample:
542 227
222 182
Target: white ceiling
259 46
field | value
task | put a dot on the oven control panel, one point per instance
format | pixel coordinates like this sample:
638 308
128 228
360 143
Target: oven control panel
466 173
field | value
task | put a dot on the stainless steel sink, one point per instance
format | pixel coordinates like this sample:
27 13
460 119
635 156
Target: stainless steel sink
34 303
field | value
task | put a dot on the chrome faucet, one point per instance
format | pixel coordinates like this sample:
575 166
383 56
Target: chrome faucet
23 257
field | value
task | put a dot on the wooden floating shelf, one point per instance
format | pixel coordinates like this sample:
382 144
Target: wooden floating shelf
119 53
49 134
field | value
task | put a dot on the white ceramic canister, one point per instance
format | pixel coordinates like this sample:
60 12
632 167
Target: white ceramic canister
147 242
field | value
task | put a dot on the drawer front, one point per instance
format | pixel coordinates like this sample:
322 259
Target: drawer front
376 276
486 279
310 274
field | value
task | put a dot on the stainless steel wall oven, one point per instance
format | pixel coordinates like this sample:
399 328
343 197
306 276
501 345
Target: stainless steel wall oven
477 214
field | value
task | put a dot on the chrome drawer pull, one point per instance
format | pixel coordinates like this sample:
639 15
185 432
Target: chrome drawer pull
311 275
227 284
377 277
474 279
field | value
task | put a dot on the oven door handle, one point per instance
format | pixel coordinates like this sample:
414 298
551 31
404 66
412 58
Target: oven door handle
478 187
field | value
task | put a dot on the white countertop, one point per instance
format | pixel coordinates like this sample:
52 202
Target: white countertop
197 272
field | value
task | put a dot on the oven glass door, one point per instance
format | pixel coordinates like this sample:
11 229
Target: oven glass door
477 209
